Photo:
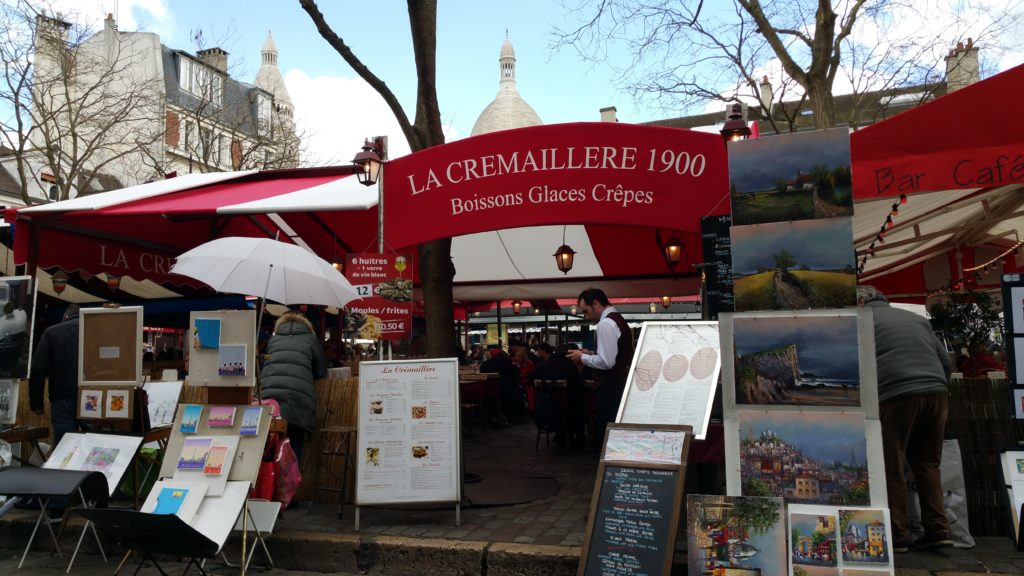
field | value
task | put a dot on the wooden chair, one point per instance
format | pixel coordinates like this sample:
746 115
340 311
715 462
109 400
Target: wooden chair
549 410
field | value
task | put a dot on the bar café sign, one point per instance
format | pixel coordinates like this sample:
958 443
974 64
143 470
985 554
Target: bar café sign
588 173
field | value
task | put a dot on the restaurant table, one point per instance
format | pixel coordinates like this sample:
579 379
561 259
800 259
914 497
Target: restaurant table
30 434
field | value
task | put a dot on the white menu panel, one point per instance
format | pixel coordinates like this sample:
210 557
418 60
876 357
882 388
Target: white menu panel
409 431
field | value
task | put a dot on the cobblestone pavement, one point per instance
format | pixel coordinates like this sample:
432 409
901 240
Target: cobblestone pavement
558 519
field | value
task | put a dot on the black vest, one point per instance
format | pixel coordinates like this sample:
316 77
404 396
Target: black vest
616 376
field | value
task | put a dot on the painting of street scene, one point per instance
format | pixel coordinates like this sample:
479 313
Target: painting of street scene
800 176
812 543
735 535
797 360
816 458
794 265
864 537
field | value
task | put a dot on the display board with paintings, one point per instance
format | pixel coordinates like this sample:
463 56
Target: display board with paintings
109 346
17 314
108 454
246 428
1012 464
673 376
637 500
222 348
409 447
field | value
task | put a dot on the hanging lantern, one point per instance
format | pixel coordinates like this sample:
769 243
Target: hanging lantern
516 307
572 310
113 282
60 281
653 308
563 258
666 301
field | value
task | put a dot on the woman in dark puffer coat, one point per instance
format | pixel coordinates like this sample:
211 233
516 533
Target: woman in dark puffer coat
296 358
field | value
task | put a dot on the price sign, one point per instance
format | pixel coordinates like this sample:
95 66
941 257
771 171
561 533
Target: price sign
384 283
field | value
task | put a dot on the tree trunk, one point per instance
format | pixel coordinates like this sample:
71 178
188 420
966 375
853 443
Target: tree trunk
436 275
820 99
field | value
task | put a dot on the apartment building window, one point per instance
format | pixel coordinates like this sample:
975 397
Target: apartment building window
201 81
263 115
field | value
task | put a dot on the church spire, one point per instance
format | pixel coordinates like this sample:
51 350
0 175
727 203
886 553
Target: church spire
269 51
507 64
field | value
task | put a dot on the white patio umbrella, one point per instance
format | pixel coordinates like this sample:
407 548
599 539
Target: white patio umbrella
277 271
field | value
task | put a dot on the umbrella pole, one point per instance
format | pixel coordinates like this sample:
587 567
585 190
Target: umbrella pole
259 323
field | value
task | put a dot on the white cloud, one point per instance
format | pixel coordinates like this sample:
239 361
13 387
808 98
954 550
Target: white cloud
336 113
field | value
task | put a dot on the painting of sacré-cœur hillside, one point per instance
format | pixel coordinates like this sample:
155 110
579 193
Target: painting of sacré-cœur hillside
798 176
797 360
794 265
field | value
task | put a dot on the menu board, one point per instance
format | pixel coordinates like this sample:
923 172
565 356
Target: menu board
634 515
673 376
717 246
384 284
409 431
1013 318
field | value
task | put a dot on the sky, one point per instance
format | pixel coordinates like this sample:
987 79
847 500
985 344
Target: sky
756 165
335 109
826 436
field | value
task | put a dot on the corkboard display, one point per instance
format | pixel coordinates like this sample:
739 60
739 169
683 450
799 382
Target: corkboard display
109 346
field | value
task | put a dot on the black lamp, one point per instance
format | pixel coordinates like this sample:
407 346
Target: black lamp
564 255
368 163
653 308
666 301
673 251
736 123
516 307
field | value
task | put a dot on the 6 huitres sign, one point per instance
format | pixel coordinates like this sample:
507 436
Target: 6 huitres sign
385 283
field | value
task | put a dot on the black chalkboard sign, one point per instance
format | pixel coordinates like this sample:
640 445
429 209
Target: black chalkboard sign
716 243
634 512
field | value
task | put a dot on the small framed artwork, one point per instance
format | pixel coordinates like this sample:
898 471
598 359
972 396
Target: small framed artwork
194 453
118 404
215 461
190 418
9 401
231 361
251 421
1018 403
90 403
206 334
221 417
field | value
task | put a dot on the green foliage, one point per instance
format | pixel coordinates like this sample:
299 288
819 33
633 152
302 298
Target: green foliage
755 487
780 185
818 538
758 515
965 318
784 260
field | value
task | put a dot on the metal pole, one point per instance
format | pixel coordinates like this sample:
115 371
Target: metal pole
499 324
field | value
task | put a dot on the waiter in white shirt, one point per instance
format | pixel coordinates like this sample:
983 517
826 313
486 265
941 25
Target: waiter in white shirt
610 362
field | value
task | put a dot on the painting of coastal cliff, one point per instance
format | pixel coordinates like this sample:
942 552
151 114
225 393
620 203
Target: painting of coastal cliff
797 360
794 265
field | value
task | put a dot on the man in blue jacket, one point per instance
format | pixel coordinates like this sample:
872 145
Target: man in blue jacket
913 372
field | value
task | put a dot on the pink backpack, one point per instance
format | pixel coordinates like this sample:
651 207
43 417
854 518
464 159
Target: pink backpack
287 476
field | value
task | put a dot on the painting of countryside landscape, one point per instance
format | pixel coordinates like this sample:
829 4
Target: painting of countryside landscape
735 535
798 176
794 265
816 458
797 360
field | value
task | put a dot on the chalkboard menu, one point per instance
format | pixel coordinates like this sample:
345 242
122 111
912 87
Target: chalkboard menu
717 246
1013 318
631 528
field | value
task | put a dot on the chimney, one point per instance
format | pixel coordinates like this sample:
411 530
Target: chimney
53 28
962 66
766 98
215 58
110 23
608 114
